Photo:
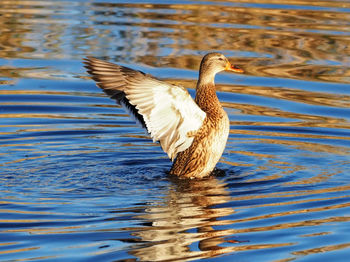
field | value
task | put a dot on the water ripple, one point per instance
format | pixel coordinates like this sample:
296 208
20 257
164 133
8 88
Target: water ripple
80 181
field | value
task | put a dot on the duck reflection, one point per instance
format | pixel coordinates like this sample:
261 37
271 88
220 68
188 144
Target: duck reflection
187 215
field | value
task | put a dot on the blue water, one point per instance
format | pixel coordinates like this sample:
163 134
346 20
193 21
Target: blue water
80 181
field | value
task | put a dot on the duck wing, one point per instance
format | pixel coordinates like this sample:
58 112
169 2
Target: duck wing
167 111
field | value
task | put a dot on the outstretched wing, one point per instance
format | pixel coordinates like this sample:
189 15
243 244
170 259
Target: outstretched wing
168 112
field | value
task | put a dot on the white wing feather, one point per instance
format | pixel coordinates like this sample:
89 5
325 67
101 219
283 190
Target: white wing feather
170 114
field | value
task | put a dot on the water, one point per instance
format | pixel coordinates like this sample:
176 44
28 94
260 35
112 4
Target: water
81 182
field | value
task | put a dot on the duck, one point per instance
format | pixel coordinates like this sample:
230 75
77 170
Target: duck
192 132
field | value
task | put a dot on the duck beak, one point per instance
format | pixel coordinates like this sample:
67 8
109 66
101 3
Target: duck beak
233 68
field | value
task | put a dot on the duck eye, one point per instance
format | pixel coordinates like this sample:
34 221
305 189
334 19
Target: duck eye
221 59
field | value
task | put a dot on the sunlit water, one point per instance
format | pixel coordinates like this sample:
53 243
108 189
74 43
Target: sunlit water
81 182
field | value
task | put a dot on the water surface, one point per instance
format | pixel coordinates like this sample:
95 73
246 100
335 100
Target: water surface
80 181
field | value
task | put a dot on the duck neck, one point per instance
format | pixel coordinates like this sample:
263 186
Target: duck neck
206 97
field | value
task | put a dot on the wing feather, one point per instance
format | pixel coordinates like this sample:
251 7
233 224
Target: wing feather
168 112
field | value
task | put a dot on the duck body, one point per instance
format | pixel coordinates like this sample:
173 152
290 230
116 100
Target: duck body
209 142
192 132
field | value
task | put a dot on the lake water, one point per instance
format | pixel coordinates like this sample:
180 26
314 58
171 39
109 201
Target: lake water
81 182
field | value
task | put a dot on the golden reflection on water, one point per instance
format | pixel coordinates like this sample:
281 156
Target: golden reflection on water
284 51
274 41
201 213
301 145
322 249
192 207
298 95
188 207
184 207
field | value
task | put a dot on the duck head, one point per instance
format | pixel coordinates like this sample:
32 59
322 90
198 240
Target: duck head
214 63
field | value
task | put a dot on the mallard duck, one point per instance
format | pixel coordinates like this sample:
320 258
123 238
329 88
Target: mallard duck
192 132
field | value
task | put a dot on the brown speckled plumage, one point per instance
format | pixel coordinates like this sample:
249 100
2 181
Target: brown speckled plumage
200 158
192 133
